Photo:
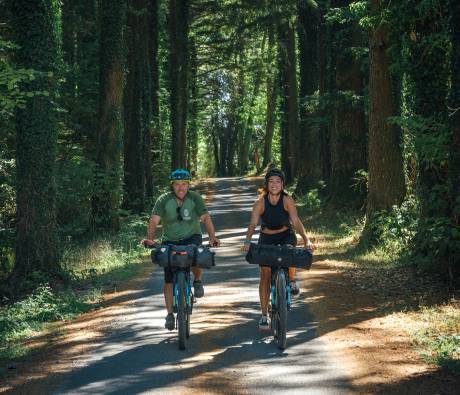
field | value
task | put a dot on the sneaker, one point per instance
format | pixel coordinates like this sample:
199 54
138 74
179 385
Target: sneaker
294 287
198 288
170 322
264 324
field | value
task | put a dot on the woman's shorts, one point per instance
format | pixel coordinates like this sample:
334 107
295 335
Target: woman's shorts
282 238
196 239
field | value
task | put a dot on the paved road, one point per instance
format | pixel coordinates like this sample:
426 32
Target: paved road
225 354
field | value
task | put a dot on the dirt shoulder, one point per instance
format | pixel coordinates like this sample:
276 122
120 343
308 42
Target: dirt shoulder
366 337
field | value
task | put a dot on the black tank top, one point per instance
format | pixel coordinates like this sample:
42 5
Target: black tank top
274 216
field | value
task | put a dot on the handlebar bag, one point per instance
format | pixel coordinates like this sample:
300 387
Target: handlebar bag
204 257
160 255
181 256
270 255
302 258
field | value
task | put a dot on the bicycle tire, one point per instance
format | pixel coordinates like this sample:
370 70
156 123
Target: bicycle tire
187 314
181 310
281 325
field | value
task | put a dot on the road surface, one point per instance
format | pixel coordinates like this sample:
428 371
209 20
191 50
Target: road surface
226 354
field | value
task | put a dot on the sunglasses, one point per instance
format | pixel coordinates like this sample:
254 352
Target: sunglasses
179 214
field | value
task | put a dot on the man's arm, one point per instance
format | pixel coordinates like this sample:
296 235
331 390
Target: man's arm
151 228
209 226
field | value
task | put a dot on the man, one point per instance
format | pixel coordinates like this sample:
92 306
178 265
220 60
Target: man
180 212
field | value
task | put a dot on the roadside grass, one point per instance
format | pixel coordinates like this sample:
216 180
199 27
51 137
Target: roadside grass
435 332
418 300
93 267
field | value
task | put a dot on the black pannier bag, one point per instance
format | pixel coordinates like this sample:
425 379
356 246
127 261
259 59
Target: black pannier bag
302 258
270 255
181 256
283 256
204 257
160 255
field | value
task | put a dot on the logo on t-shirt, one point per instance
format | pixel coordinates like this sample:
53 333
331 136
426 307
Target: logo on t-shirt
186 216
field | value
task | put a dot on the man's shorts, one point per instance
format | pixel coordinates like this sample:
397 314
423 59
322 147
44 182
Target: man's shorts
196 239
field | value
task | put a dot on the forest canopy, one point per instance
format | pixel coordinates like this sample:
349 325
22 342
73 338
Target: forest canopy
357 101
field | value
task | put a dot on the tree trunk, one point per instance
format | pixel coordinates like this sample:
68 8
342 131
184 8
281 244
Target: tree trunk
454 157
136 108
69 45
153 33
178 35
35 30
107 193
386 185
309 170
348 132
193 124
87 73
290 116
326 87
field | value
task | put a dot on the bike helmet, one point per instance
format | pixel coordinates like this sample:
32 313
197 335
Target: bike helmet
180 175
275 172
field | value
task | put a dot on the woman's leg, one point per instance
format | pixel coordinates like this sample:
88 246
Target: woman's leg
292 273
264 288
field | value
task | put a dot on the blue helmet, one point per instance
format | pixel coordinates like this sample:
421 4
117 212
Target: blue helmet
180 175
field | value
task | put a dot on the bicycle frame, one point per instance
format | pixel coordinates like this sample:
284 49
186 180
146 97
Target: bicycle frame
273 292
188 290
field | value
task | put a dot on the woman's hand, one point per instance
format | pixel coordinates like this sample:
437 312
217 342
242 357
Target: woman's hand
309 245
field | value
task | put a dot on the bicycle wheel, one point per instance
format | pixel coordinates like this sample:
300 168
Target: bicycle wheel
181 309
187 315
281 307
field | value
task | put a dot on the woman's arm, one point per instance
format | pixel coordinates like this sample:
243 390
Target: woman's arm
257 211
289 206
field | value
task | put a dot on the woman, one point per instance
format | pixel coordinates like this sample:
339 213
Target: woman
279 214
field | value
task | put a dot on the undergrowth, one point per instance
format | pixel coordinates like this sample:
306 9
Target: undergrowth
386 269
92 266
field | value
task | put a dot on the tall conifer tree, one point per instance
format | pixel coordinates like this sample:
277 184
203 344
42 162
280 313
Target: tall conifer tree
107 194
36 31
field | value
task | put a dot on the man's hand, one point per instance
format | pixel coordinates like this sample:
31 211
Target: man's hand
214 242
147 242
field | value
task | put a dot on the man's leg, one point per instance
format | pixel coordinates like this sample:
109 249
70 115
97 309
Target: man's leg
196 273
168 295
197 284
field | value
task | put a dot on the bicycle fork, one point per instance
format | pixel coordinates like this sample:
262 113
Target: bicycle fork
188 295
274 295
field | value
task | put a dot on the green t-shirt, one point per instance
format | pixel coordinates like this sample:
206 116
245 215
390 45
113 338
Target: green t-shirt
191 210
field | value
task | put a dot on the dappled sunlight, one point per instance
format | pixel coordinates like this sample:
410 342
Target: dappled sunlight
126 348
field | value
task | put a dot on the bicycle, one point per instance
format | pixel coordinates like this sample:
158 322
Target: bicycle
279 259
180 259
